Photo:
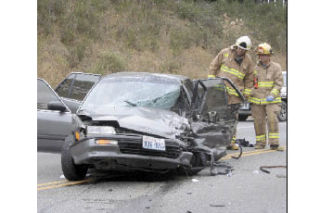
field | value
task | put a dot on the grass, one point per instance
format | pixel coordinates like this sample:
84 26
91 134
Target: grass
106 36
109 62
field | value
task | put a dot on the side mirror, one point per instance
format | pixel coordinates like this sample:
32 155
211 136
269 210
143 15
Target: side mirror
56 105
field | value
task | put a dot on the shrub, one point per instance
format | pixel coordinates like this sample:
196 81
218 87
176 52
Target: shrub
76 53
109 63
87 19
49 11
180 39
171 66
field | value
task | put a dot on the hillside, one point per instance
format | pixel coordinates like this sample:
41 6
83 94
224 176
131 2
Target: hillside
181 37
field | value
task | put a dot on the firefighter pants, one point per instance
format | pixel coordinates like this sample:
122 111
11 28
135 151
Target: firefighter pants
262 115
235 113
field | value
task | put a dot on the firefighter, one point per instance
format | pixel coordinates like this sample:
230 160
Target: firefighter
236 64
265 99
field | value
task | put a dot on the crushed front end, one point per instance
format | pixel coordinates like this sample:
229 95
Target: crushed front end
127 152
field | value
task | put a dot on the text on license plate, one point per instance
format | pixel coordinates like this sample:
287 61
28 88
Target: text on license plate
153 143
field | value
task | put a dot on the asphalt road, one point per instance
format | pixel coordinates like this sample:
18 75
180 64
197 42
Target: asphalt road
246 189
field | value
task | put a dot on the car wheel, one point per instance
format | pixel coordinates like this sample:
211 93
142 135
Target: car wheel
71 171
243 117
197 164
282 116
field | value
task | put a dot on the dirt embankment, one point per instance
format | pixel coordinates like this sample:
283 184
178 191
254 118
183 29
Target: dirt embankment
178 37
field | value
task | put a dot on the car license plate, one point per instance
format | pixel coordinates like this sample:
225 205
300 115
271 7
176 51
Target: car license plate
153 143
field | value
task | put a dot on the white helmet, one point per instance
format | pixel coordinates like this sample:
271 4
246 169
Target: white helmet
244 42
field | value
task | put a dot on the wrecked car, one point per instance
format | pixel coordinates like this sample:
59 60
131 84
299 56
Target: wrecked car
149 122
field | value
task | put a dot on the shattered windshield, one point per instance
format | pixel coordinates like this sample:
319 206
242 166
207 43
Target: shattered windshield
133 92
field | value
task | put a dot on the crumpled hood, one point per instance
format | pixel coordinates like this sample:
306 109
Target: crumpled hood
146 120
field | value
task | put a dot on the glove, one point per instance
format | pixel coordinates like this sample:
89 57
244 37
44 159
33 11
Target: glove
270 98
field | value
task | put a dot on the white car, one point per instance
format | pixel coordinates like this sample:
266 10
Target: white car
283 94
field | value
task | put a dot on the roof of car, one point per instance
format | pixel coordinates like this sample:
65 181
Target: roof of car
137 74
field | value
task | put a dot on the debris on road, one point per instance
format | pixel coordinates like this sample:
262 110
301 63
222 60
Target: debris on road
217 205
243 142
263 168
229 174
220 168
238 157
195 180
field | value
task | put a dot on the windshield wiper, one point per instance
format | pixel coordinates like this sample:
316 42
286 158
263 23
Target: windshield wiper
130 103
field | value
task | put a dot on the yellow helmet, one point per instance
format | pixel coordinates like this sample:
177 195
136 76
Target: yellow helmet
264 49
244 42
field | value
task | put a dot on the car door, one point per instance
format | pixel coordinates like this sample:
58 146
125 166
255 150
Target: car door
53 125
213 119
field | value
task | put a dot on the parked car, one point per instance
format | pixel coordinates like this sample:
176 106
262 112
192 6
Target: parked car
245 109
54 119
74 88
149 122
283 94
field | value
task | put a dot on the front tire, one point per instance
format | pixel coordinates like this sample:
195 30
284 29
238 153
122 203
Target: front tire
71 171
198 162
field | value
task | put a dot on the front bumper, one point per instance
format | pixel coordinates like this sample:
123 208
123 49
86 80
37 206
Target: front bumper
129 154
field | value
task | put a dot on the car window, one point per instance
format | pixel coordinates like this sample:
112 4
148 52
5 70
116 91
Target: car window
45 95
81 85
216 99
63 88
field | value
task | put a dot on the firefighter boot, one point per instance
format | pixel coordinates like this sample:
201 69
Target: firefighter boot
259 146
276 147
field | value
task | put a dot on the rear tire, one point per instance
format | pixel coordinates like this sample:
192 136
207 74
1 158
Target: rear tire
282 116
70 170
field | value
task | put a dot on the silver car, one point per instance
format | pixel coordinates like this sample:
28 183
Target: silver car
55 120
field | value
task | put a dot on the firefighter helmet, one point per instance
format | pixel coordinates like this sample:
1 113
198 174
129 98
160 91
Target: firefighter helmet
244 42
264 49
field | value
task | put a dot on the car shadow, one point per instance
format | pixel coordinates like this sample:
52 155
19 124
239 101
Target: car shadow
98 177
